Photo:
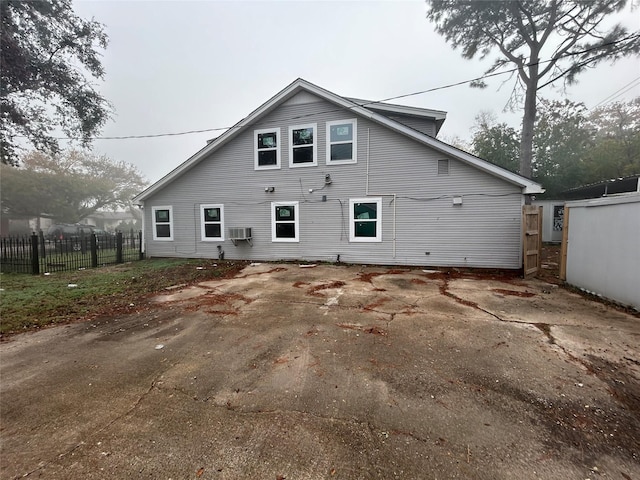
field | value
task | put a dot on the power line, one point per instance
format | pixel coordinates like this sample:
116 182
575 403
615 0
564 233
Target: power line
421 92
618 93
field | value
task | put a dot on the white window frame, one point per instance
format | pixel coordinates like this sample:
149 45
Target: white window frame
256 163
203 222
378 220
314 145
353 141
296 221
155 224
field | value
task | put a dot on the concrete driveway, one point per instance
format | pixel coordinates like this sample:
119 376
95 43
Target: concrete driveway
331 372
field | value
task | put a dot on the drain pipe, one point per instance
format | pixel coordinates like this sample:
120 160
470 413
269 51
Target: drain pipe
367 193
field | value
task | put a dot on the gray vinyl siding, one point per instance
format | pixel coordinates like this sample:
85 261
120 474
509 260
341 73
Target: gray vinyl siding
423 125
483 232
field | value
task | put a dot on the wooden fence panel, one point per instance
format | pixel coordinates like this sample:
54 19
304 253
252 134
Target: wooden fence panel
531 239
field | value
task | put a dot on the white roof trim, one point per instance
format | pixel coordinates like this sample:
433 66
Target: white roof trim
528 186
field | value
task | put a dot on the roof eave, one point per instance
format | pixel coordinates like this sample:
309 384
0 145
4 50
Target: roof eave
528 186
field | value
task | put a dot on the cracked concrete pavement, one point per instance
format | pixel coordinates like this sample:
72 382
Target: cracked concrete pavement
331 372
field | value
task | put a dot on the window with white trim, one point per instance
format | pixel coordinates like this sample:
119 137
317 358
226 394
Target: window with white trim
365 219
162 223
267 148
303 145
341 142
212 223
284 222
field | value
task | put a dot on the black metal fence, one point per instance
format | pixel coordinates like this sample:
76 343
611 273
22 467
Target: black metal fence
36 254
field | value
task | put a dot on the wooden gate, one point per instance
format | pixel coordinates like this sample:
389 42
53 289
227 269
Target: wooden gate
531 239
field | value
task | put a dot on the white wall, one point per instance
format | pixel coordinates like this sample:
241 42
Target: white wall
603 250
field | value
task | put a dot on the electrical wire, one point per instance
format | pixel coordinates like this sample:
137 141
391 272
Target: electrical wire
618 93
364 104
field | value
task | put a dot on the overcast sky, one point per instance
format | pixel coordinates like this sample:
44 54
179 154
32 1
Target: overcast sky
175 66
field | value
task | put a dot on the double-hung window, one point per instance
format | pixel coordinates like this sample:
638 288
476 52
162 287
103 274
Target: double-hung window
162 223
303 145
341 142
212 223
267 148
284 222
365 219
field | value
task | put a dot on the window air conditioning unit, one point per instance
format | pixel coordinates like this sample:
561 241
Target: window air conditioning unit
240 233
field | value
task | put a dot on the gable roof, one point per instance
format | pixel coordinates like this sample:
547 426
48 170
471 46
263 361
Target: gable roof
299 85
438 116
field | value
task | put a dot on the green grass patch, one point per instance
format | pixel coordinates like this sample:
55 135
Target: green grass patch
30 302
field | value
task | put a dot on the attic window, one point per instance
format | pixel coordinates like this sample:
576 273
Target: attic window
341 141
267 148
303 145
443 166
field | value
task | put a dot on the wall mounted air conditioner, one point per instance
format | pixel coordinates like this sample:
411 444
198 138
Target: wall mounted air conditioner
240 233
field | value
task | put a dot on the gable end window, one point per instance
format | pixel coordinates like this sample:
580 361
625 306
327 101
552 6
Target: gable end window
303 145
284 222
365 219
443 166
267 148
212 223
162 223
341 142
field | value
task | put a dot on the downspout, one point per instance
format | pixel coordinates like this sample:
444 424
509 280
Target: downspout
144 237
367 193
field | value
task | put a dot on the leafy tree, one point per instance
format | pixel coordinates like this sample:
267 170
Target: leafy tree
563 137
616 152
68 187
46 52
545 40
496 142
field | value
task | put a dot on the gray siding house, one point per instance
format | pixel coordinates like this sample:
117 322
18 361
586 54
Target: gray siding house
313 176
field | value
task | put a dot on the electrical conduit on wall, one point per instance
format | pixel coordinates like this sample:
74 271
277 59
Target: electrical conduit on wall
367 193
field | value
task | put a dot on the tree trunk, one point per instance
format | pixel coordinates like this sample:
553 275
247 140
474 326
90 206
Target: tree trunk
528 123
530 80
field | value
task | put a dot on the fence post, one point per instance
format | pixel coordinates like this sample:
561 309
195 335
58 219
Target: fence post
119 248
94 250
35 262
140 252
43 249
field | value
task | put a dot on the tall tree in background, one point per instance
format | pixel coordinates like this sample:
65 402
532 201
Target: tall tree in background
544 41
496 142
67 187
616 152
46 55
572 146
562 138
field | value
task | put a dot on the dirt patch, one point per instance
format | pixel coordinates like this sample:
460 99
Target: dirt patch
623 386
211 300
374 330
379 302
367 277
324 286
513 293
444 290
